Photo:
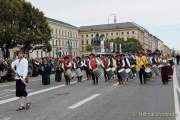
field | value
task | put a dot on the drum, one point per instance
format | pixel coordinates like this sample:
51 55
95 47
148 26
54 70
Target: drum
99 73
69 73
128 70
110 73
160 66
113 69
79 72
148 73
123 74
155 70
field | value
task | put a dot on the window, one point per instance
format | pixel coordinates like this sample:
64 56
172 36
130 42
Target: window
91 35
122 33
117 33
56 31
52 42
106 34
62 43
132 32
86 35
82 42
56 42
82 35
41 53
59 42
59 32
111 34
87 42
37 53
127 32
62 33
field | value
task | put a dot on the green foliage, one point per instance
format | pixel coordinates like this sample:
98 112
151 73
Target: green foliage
89 48
22 24
130 45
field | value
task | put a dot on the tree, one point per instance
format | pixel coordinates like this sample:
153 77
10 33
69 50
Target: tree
24 25
10 12
130 45
89 48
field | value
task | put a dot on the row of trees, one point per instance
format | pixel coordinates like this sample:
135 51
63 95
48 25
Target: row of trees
24 25
129 45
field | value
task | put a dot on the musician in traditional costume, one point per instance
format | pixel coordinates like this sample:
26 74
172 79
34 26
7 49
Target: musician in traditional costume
93 67
67 70
45 72
85 66
20 67
141 64
79 69
121 73
164 70
106 64
58 71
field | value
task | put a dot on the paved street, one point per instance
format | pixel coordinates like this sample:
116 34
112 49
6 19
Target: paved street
83 101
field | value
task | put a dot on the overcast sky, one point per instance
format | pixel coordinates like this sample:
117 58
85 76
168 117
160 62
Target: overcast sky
159 17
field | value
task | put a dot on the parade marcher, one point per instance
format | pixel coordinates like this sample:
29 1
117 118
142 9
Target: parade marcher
106 64
121 73
164 70
20 67
67 70
177 58
79 69
58 70
141 63
85 65
93 66
45 72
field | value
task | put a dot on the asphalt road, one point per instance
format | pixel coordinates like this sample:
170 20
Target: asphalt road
106 101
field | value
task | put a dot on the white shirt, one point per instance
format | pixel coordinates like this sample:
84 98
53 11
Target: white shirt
21 68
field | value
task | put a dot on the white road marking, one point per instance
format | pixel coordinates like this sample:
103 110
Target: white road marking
35 93
6 96
84 101
176 100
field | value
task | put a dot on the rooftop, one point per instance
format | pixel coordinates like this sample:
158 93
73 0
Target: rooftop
110 27
60 22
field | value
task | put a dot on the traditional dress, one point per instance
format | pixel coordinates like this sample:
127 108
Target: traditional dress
21 69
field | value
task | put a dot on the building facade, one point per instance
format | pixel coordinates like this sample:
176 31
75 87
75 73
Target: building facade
121 30
64 39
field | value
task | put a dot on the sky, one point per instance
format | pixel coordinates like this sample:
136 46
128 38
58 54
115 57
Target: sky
159 17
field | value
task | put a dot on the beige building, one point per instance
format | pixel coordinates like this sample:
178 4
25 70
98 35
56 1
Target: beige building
121 30
64 37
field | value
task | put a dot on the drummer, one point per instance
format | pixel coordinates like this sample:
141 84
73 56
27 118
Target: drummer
106 64
121 66
164 70
79 69
67 66
141 63
93 66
